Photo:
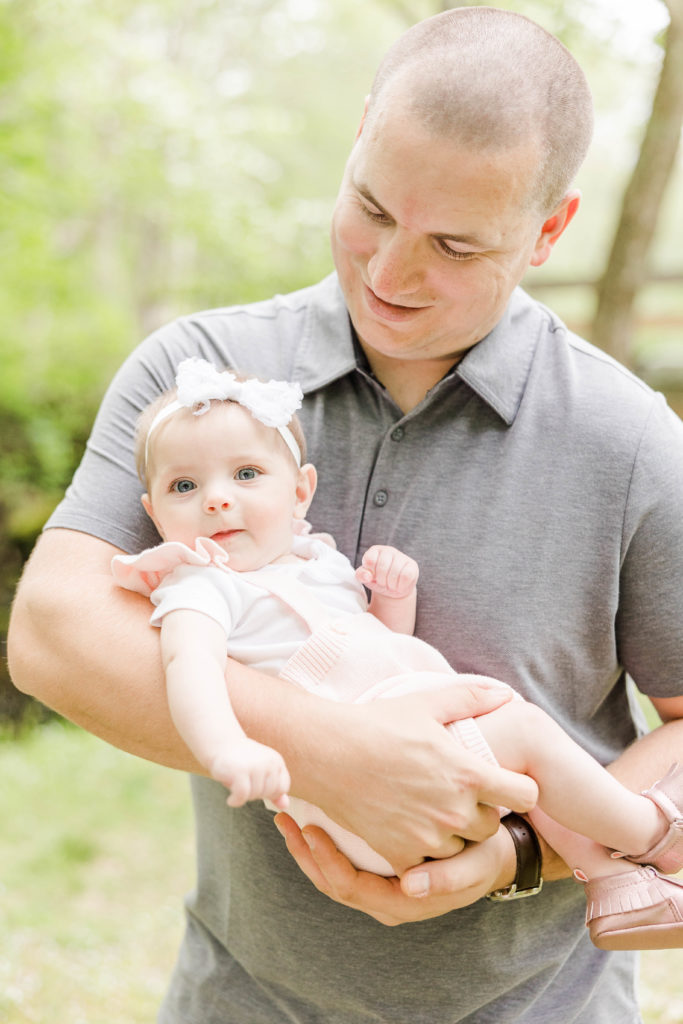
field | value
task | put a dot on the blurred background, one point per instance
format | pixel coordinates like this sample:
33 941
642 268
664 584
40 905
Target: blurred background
166 156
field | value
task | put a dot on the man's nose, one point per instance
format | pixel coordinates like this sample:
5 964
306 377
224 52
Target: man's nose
394 269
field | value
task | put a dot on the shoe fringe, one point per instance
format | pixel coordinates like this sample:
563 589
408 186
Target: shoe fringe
617 894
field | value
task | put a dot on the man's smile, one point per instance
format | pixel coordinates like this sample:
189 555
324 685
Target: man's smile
390 310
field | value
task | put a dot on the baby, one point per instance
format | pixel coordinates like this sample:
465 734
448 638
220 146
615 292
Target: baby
240 575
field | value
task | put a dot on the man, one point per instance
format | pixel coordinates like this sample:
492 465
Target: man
538 485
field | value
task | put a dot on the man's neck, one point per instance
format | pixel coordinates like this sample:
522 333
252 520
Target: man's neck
408 381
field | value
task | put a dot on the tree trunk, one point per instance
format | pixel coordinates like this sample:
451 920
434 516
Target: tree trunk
626 270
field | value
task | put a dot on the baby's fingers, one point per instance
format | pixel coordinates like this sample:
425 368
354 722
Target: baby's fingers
253 771
388 571
269 778
240 790
276 786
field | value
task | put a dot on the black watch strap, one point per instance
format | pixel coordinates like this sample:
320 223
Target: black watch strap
528 879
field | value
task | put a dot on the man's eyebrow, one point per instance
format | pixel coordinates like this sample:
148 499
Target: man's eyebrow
367 194
471 240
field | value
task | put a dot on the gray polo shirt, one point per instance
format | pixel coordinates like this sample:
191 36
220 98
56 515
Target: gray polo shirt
539 486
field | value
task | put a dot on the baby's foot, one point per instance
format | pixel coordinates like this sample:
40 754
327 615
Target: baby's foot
637 910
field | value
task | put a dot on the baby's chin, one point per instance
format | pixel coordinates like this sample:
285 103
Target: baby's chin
252 564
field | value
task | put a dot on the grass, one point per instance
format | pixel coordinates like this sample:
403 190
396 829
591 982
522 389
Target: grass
96 852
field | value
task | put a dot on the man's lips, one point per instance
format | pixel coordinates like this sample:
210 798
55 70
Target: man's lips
389 310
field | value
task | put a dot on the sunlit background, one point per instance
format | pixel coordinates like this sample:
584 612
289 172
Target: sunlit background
161 156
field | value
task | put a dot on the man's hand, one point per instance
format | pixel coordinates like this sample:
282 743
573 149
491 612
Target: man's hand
437 886
396 776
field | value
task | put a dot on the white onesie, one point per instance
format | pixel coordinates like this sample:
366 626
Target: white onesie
306 621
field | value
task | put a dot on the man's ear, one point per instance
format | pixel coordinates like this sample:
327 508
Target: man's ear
305 489
554 226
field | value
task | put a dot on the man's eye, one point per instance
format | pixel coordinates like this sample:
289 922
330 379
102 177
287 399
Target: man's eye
182 486
455 254
373 213
246 473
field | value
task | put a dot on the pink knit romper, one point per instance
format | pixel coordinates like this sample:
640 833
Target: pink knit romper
355 658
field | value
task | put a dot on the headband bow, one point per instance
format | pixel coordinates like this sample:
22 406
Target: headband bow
198 383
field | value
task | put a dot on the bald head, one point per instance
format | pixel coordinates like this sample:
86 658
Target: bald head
490 80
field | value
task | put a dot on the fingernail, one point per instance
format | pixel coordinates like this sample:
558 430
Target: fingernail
416 884
278 826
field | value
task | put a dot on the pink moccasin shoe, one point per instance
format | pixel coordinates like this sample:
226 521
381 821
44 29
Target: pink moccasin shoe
640 909
667 854
643 909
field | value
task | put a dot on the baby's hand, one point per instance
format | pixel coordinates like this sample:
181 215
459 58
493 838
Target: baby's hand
252 771
388 572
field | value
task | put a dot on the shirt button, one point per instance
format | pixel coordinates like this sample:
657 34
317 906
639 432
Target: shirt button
397 434
380 498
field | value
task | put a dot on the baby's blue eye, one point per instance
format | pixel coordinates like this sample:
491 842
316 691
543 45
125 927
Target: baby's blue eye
183 486
246 473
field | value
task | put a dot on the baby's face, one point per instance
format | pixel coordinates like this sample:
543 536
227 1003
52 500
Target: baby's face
226 476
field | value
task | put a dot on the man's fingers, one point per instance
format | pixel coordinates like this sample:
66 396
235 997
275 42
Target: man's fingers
450 847
437 877
501 787
340 875
469 697
450 883
300 850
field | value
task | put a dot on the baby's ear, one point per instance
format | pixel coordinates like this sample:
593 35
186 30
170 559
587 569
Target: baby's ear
149 509
305 489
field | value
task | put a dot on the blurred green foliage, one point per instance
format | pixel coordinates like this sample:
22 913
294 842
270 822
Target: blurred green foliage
160 156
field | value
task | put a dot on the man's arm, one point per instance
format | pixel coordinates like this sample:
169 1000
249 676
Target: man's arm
650 757
84 647
450 883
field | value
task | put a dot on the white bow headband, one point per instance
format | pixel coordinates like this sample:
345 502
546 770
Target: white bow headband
198 382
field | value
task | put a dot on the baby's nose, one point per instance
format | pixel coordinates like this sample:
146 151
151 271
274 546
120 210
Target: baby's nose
216 504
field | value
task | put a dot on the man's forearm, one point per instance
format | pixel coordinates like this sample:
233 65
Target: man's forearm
651 756
83 646
89 654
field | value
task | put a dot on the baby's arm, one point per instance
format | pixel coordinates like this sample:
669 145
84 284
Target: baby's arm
194 651
391 576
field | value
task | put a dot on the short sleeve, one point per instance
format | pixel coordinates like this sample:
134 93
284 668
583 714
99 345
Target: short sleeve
103 498
649 621
203 589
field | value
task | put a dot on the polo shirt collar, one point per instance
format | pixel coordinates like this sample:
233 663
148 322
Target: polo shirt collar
496 368
326 352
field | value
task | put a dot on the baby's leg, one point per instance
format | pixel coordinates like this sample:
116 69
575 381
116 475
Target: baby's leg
574 789
577 851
